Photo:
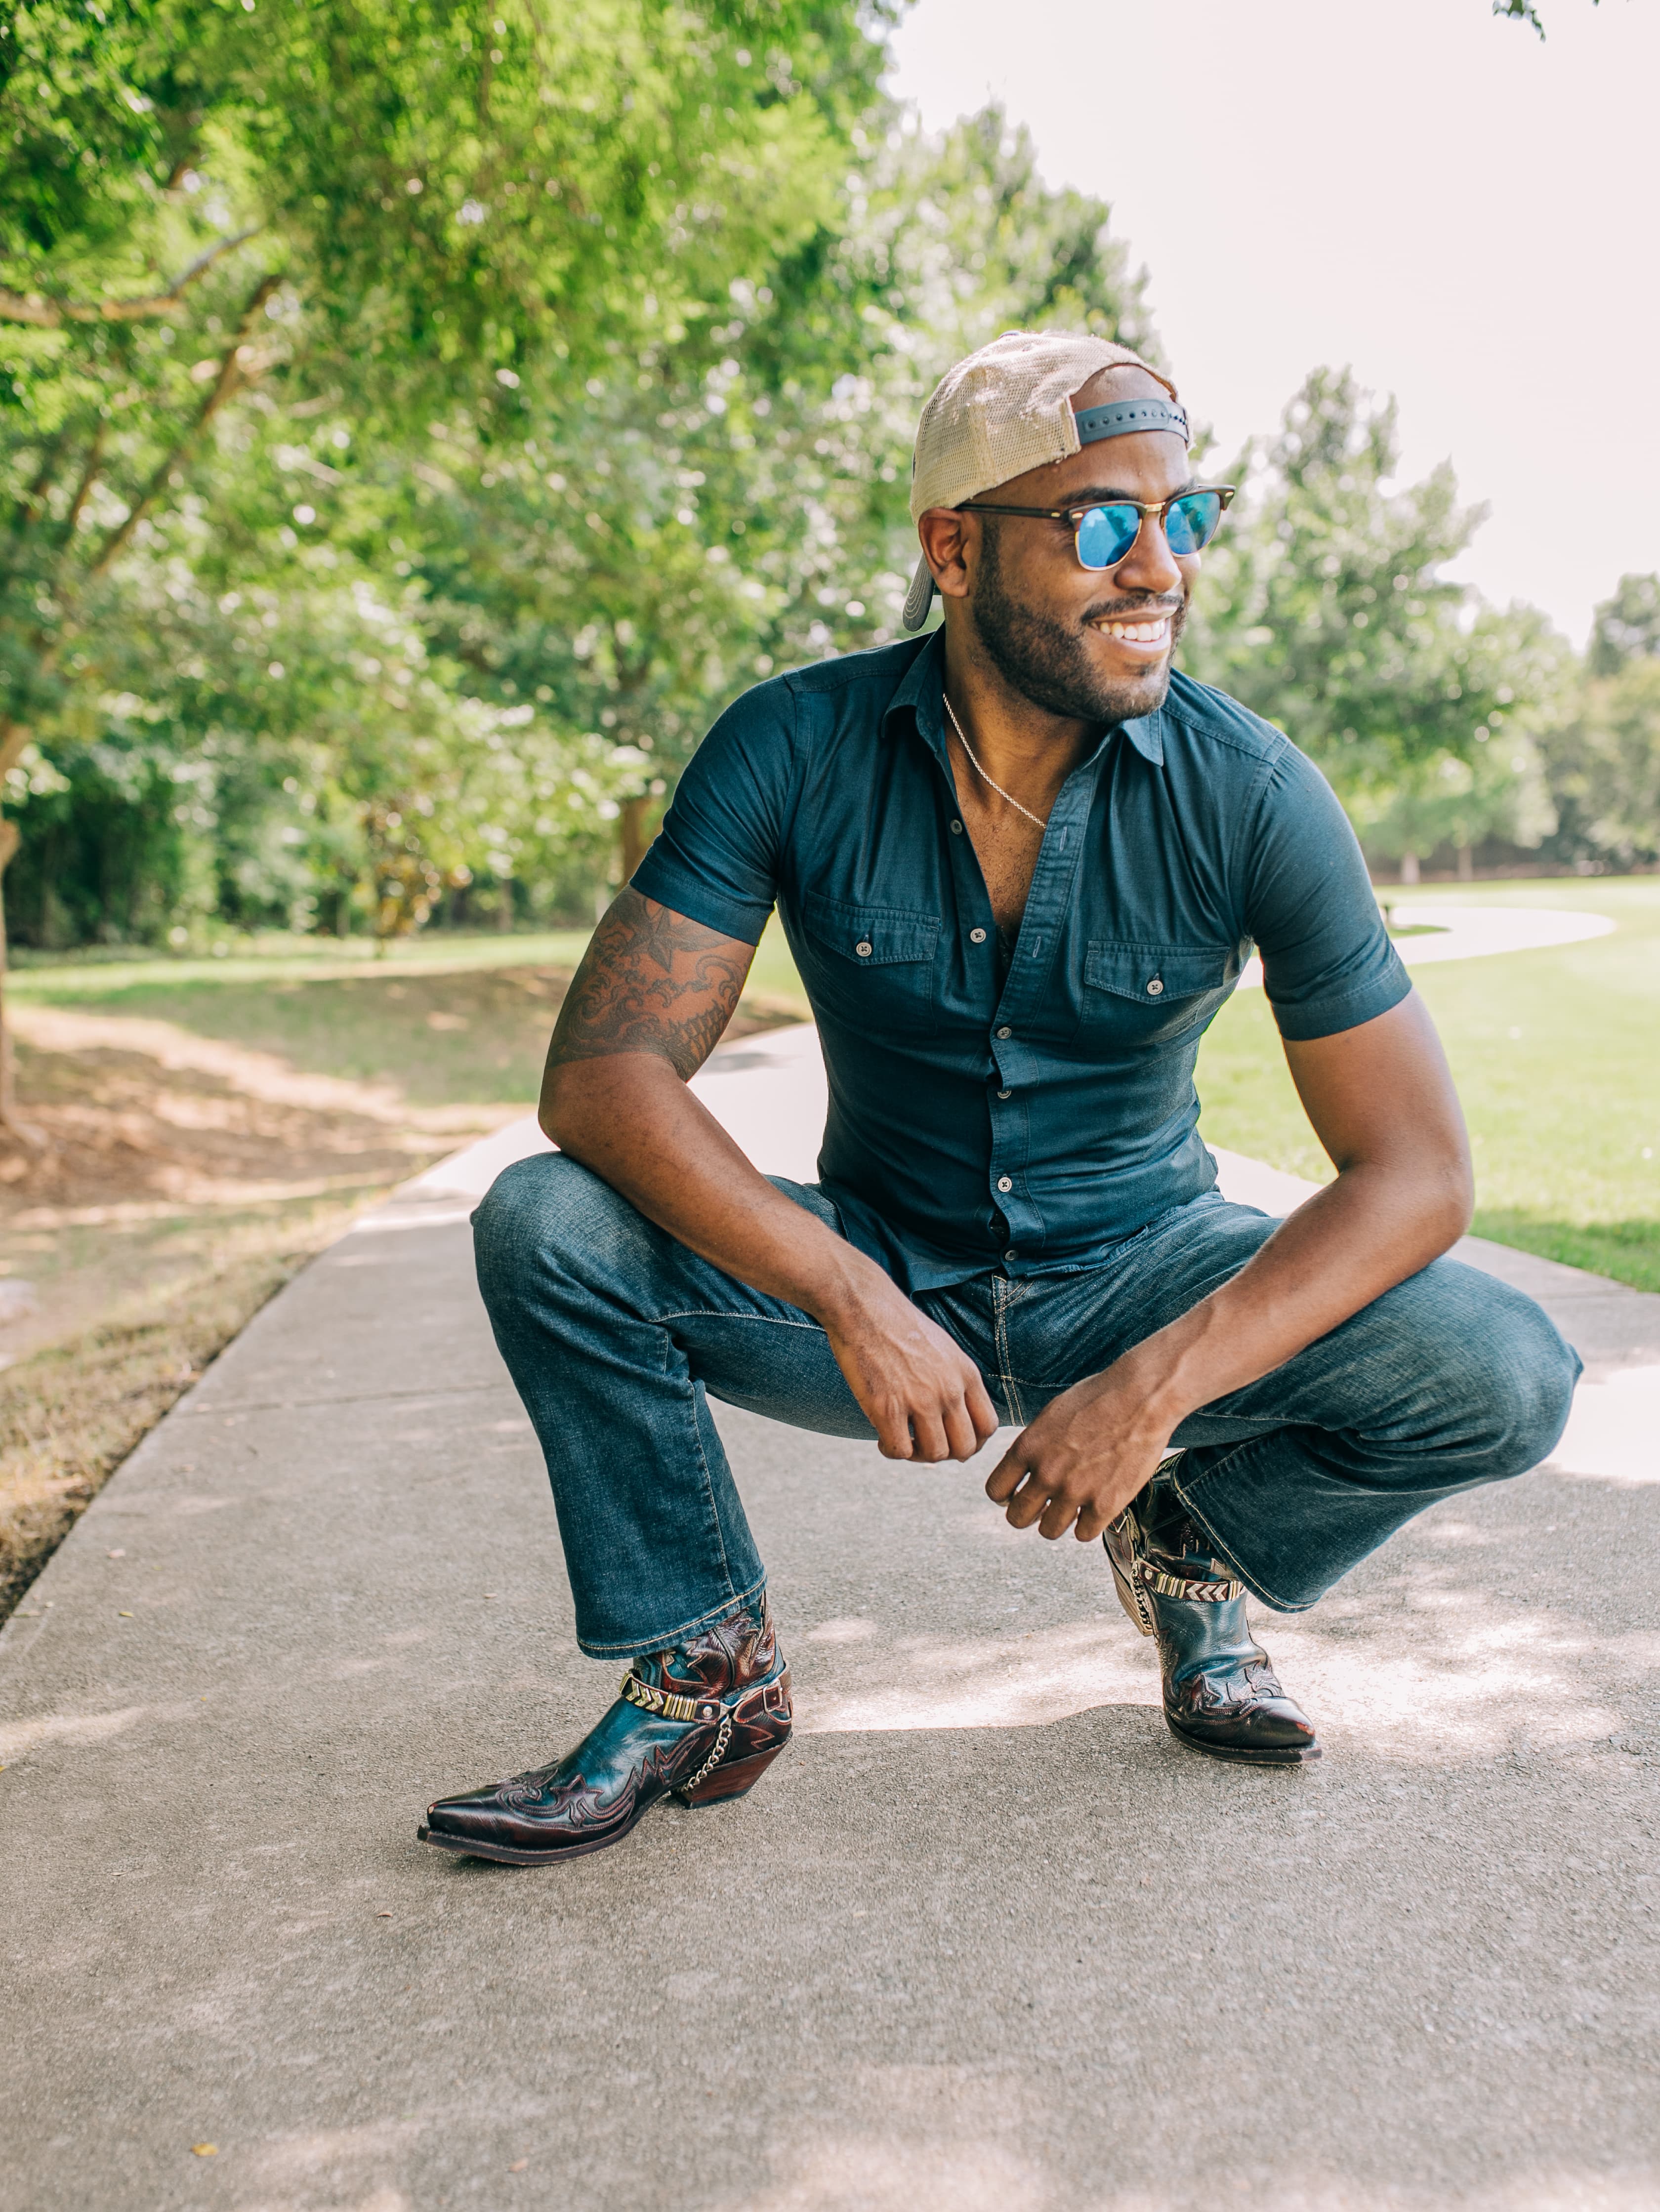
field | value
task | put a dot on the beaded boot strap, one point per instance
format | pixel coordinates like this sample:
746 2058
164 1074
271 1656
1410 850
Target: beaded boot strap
1198 1593
670 1704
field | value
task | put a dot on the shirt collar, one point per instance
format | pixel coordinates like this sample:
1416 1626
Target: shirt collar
922 691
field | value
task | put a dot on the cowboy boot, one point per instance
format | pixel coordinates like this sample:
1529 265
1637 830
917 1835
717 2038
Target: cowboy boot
1221 1693
700 1723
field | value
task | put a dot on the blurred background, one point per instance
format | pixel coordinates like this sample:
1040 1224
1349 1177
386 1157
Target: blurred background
418 421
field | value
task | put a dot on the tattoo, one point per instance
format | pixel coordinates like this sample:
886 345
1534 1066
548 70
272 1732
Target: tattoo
651 981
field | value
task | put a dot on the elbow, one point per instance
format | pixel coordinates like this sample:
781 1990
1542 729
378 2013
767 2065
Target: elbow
1450 1203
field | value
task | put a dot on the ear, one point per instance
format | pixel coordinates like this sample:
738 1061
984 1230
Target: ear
950 541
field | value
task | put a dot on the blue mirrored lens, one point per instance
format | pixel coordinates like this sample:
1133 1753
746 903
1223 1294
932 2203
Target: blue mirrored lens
1105 534
1193 521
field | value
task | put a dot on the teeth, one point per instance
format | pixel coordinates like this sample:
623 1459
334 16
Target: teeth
1141 633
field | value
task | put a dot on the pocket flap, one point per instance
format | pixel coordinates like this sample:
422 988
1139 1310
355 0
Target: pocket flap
871 936
1153 973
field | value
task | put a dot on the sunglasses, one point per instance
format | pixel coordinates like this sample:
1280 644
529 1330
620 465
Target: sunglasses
1103 535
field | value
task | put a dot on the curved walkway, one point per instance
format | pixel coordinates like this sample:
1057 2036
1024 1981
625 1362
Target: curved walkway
1459 931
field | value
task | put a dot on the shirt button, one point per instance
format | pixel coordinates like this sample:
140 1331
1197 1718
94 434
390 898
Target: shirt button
977 936
1006 1094
863 949
956 828
1154 988
1005 1032
1005 1183
1011 1254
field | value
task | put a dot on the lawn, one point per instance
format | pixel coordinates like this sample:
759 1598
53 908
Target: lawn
1557 1057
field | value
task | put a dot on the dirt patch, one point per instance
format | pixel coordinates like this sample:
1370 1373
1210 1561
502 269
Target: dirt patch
199 1151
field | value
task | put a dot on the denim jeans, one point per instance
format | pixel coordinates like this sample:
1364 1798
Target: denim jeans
616 1336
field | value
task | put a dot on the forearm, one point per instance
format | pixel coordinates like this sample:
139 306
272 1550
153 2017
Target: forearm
631 1119
1361 1235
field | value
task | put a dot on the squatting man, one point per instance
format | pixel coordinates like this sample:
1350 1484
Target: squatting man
1020 862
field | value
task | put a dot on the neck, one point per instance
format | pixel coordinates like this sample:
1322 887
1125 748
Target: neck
1020 744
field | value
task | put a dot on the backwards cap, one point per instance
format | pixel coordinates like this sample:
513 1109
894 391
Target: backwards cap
1007 409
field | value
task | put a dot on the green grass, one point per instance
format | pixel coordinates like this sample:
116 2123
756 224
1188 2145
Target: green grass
1557 1058
1557 1053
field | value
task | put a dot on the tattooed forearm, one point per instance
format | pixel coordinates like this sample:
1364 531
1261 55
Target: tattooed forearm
651 981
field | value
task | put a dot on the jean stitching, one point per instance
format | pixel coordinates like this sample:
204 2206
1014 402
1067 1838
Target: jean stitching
1001 1300
719 1313
702 1462
673 1635
1260 1588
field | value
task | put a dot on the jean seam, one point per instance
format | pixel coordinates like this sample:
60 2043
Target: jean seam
703 1462
720 1313
1256 1585
632 1646
1002 1299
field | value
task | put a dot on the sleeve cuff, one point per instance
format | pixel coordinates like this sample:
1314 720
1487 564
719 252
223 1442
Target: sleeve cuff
1303 1020
658 878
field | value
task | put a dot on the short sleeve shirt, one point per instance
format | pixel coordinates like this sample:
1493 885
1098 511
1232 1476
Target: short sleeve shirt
1021 1114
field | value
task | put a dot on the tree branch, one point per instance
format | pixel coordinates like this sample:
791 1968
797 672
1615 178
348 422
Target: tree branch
52 314
89 479
228 380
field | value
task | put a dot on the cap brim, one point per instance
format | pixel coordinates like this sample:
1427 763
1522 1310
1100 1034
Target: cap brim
920 598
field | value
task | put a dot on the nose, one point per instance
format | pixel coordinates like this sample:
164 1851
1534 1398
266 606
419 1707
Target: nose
1150 566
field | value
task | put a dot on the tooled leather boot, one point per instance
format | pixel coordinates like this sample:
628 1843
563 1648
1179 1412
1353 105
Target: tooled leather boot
701 1724
1221 1693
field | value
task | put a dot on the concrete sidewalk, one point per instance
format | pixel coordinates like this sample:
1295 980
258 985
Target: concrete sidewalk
988 1940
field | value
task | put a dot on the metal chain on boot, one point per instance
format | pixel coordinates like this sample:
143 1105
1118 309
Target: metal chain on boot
673 1706
683 1789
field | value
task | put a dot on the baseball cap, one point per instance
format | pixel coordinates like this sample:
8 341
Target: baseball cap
1007 409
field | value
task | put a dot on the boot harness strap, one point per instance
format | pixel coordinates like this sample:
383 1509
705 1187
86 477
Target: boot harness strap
1164 1585
671 1704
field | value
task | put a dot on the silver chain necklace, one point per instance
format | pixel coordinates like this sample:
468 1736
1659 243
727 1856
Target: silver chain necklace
981 773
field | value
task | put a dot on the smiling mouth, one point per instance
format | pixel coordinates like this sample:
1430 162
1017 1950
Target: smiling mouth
1154 631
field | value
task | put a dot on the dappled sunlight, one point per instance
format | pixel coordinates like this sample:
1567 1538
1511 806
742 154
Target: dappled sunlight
79 1729
1019 1680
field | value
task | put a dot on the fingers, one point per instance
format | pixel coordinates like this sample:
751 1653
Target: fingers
981 1412
1002 1482
928 1428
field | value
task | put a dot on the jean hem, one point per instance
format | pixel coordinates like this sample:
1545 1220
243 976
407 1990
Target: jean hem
635 1647
1258 1589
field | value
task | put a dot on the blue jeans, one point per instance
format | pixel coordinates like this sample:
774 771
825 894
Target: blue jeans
616 1336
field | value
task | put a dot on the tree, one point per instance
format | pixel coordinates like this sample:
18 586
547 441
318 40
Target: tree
358 206
1627 627
1323 606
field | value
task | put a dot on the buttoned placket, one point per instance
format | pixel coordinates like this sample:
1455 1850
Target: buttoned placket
1012 1072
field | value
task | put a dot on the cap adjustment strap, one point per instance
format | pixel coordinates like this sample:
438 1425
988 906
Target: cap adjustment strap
1119 417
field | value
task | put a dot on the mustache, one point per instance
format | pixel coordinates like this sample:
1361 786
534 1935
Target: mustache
1147 608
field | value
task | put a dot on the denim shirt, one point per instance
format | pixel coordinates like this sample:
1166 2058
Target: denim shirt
1030 1120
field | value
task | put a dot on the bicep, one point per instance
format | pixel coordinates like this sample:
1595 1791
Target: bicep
651 981
1381 1093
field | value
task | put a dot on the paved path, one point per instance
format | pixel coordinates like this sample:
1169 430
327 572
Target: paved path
988 1940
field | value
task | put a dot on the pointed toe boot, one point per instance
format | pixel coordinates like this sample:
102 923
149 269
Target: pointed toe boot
701 1722
1221 1694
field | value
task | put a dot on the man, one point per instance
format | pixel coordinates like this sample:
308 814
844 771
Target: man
1021 864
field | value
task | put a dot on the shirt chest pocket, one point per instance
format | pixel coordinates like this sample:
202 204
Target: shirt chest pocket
870 965
1152 994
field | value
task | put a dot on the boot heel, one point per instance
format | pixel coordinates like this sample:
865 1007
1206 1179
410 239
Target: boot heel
736 1780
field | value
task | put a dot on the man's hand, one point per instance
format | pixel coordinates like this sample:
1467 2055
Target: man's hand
651 998
1087 1454
1382 1104
922 1396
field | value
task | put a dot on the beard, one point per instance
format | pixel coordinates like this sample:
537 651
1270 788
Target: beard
1048 660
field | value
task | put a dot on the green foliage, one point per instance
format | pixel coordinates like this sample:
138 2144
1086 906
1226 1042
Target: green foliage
1323 606
1626 627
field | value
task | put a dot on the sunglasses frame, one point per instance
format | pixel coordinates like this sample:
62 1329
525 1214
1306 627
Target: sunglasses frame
1073 516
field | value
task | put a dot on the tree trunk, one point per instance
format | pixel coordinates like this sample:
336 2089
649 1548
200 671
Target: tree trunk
1410 867
636 832
1466 864
20 1132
